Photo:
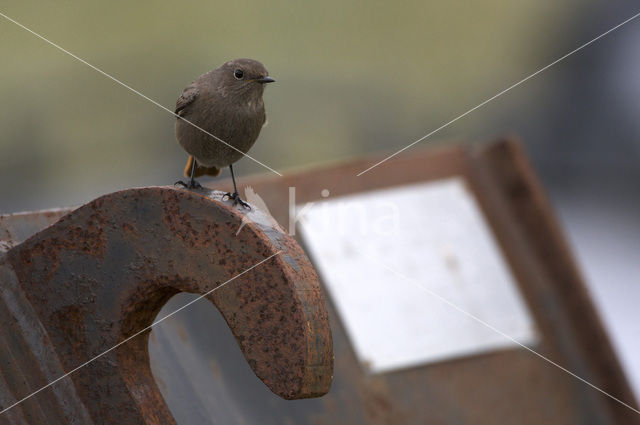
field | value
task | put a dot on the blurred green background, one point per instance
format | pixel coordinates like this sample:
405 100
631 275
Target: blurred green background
353 78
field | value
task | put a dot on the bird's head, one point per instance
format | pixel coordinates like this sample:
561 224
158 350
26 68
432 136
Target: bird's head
244 78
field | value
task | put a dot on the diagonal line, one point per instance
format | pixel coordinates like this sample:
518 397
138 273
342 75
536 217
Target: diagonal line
135 91
498 331
502 92
138 333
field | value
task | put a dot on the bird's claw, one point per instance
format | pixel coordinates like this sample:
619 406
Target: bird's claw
191 184
236 199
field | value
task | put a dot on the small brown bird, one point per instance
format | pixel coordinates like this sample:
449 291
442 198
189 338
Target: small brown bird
227 103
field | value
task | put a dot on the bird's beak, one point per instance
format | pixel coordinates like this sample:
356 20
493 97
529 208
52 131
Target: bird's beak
264 80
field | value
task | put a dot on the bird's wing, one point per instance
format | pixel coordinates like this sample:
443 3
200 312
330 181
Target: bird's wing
186 98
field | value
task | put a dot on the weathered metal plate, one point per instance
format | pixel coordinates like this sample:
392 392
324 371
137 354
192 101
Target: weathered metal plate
497 387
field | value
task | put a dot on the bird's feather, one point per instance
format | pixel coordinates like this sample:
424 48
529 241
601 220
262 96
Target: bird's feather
199 169
186 98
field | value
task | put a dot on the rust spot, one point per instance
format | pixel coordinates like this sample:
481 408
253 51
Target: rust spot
128 228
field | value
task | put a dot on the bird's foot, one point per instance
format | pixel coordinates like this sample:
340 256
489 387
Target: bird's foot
236 199
191 184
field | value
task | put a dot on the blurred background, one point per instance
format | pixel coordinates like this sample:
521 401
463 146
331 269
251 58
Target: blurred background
352 79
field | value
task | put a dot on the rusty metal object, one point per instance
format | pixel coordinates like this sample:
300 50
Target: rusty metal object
508 386
102 273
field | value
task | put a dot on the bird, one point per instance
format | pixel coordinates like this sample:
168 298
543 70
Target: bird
218 119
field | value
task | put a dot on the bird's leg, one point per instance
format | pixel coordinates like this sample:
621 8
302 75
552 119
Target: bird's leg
192 184
235 196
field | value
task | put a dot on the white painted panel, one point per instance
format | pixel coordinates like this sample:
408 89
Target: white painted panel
384 254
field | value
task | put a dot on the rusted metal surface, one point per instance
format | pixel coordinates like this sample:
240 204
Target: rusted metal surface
102 273
204 377
509 386
572 320
15 228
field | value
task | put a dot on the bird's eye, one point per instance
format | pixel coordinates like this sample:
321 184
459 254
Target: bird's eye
238 74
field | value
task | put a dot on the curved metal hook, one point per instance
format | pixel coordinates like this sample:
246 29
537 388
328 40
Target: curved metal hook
102 273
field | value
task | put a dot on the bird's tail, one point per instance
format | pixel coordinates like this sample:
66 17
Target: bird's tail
200 170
